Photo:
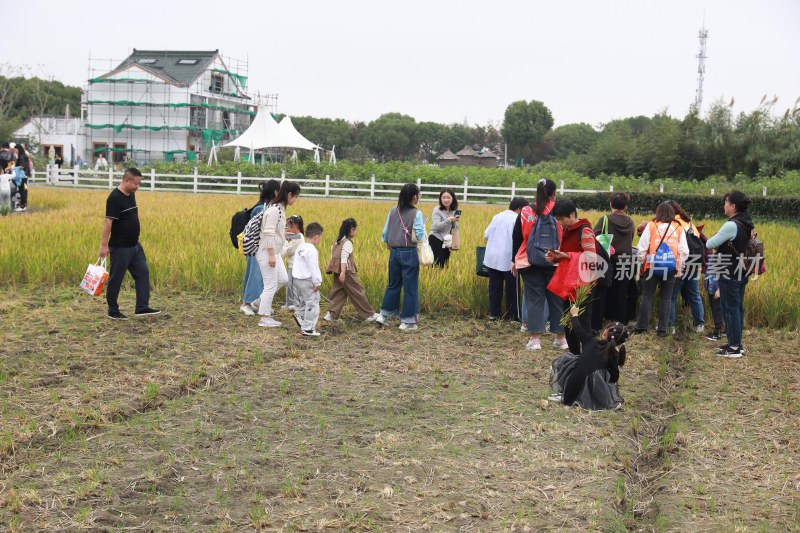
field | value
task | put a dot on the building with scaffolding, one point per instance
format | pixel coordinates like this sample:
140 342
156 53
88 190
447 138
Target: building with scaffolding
166 105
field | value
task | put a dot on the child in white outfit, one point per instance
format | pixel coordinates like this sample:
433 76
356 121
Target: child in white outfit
307 280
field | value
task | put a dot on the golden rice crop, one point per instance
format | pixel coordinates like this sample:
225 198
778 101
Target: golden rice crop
186 241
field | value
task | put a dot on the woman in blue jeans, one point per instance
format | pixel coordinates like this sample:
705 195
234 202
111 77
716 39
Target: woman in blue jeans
730 243
403 229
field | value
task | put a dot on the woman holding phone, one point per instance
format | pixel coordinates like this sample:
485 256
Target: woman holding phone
444 220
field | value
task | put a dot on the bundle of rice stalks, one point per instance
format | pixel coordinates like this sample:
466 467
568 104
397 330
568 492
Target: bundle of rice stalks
581 296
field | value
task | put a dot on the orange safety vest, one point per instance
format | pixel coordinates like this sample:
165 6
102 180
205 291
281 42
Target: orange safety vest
673 240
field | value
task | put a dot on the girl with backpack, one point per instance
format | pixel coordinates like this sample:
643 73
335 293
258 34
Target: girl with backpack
346 284
253 284
663 250
537 299
589 380
272 237
688 284
403 229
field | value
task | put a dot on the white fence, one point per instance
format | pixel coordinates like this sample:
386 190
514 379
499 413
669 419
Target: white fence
373 189
196 183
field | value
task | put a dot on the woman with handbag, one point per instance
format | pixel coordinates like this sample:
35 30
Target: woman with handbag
444 227
663 251
403 229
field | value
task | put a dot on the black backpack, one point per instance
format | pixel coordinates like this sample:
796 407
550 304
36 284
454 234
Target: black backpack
238 222
696 246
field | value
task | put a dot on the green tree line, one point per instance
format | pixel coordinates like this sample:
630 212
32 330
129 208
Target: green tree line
24 97
763 142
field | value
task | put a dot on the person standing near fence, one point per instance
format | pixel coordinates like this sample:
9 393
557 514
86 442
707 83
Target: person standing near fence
403 229
273 271
444 220
120 241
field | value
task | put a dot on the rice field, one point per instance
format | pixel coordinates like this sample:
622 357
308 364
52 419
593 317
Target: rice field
186 240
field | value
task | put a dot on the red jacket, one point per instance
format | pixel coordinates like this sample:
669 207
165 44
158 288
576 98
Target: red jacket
578 238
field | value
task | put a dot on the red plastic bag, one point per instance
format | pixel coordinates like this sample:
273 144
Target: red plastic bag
567 278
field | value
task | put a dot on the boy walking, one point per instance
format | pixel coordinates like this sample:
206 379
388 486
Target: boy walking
307 280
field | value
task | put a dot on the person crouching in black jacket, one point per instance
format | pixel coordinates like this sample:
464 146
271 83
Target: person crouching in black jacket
589 380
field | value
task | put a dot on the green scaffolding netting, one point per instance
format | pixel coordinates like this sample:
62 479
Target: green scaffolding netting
208 134
151 104
120 80
242 80
103 149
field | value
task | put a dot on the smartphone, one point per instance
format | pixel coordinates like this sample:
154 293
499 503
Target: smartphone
458 212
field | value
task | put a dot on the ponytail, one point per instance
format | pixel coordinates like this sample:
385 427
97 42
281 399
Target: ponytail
545 190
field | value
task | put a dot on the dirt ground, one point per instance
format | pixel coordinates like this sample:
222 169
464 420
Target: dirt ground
198 420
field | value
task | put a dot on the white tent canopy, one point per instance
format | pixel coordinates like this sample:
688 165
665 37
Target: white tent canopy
290 137
264 132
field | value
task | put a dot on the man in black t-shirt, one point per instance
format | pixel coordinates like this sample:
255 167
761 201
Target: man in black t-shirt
120 240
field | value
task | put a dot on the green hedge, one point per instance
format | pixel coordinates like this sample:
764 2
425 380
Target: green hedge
699 206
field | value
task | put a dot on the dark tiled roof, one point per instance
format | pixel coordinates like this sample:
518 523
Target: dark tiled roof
164 63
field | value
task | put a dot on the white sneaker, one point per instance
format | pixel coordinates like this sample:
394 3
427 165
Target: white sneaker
246 309
269 322
561 345
328 317
408 326
700 329
523 328
18 209
311 333
376 317
555 397
533 345
380 319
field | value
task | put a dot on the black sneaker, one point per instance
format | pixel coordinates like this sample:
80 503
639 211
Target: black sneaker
713 336
731 353
116 315
147 311
661 333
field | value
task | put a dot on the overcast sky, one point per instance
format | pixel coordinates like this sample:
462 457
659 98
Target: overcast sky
587 60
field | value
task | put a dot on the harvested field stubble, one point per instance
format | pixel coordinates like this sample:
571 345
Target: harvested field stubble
200 420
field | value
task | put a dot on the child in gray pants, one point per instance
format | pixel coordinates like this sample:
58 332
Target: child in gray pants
307 280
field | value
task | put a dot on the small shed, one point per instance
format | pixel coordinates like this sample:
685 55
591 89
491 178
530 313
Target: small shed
488 158
467 157
447 159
